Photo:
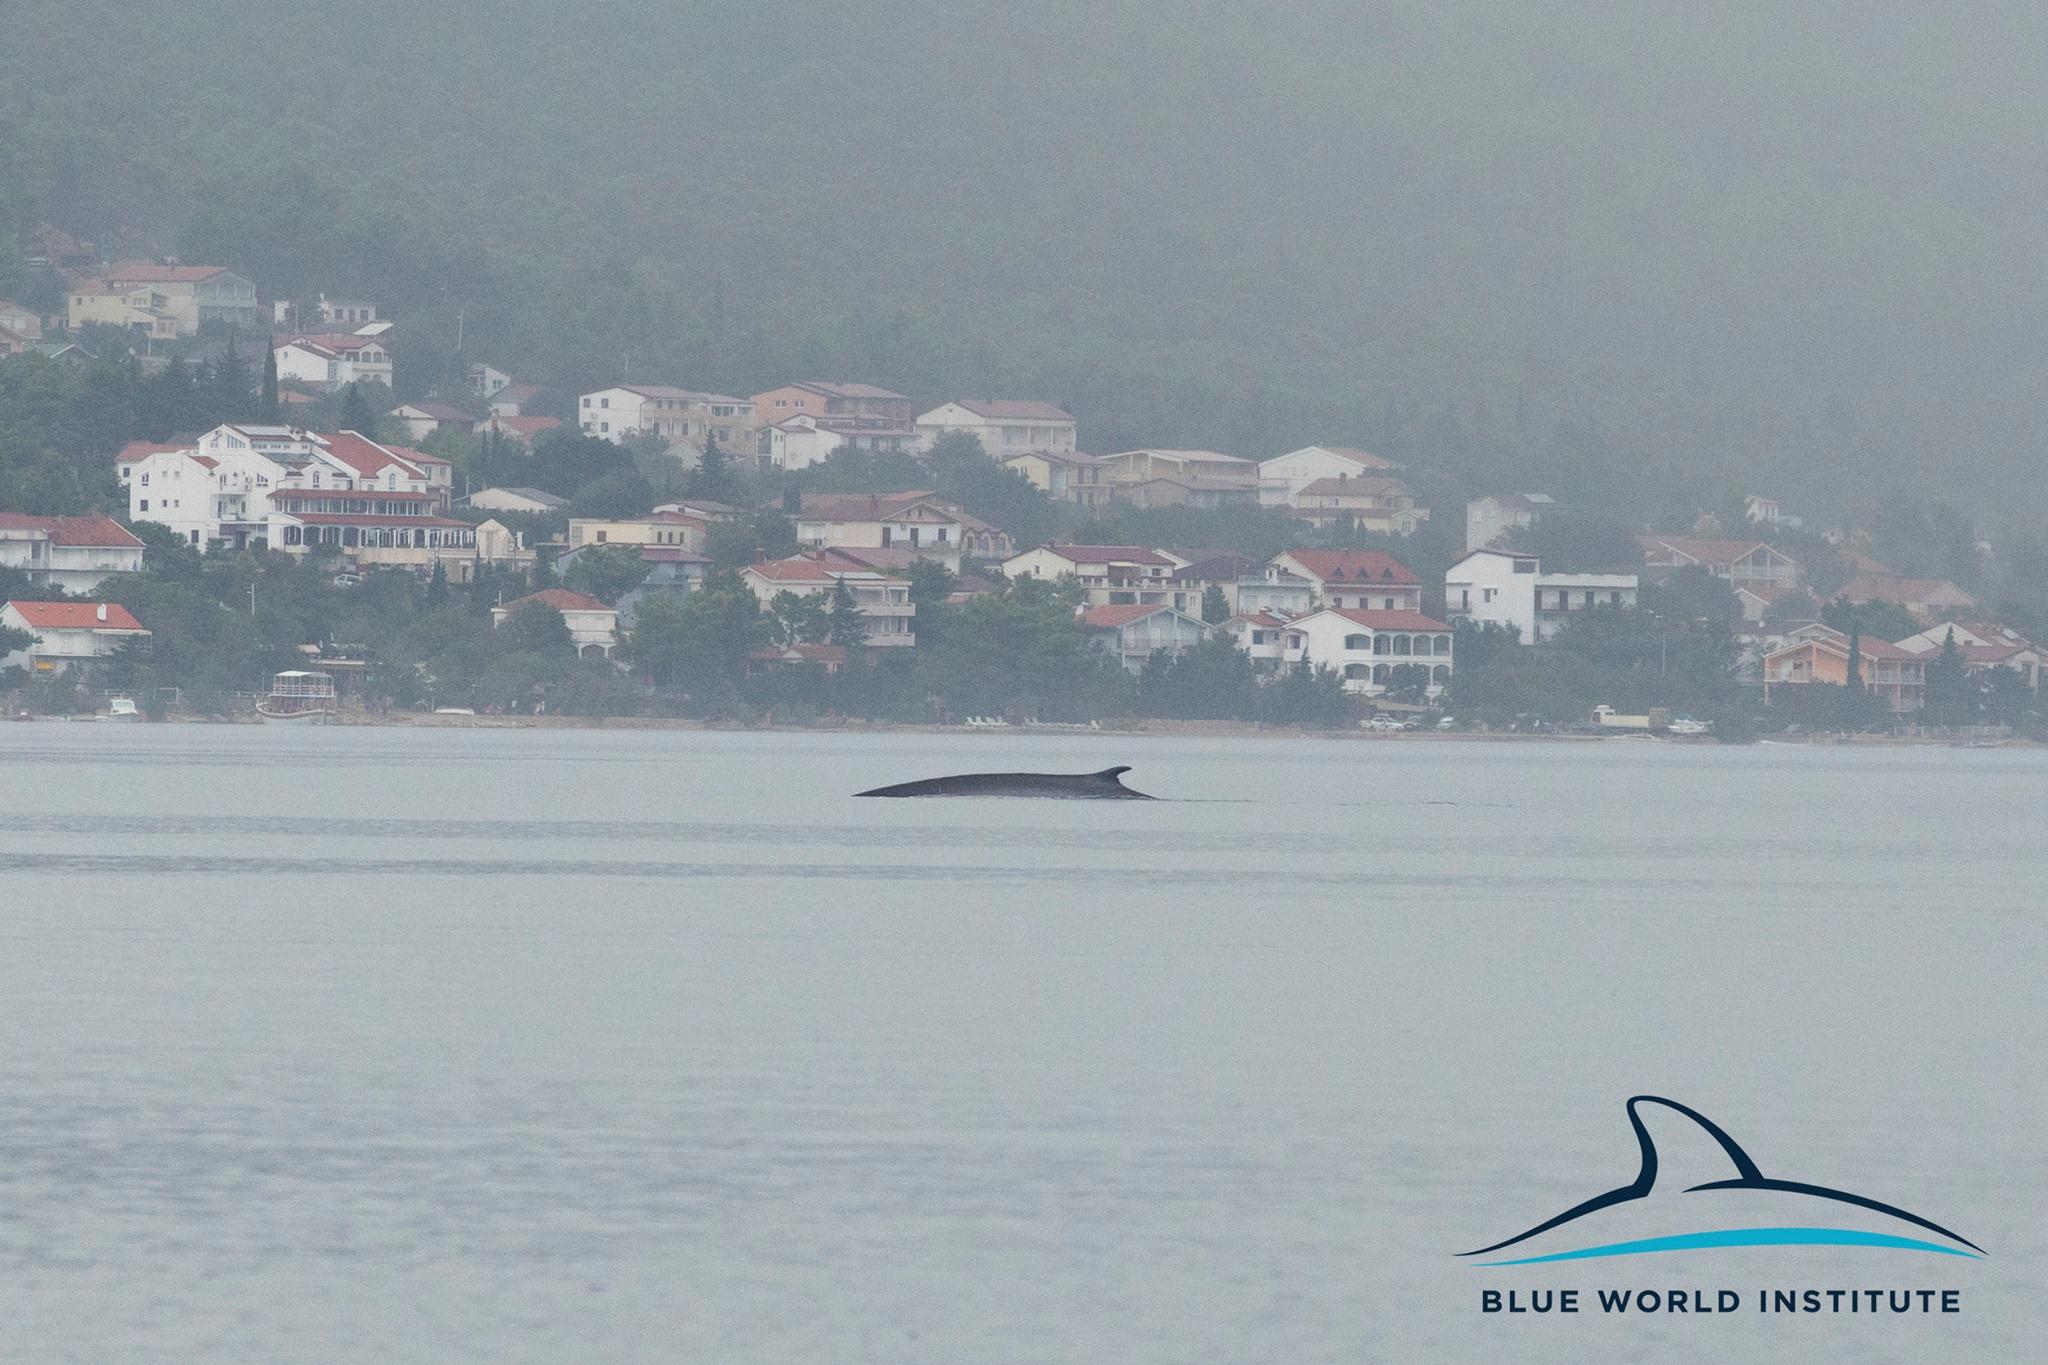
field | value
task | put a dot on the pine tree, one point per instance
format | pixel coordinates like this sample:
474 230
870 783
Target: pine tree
844 623
1948 700
1215 606
437 585
269 407
355 413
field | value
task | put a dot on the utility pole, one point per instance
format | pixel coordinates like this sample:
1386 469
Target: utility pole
252 597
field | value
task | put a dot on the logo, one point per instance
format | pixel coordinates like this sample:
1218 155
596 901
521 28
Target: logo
1817 1207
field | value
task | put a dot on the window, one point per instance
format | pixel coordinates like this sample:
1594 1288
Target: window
143 505
586 400
600 537
604 402
1358 642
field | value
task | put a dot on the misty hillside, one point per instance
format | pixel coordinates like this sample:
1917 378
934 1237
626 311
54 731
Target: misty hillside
1529 249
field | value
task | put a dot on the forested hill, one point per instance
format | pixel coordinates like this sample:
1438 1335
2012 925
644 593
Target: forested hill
1533 244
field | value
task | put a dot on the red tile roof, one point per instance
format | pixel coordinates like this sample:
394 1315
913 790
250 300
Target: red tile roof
1353 566
1704 551
148 272
561 599
76 615
365 456
1389 620
142 450
1015 409
99 531
1887 588
1118 614
1107 554
1361 486
367 519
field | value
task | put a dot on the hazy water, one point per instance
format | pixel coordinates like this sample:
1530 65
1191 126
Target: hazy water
352 1045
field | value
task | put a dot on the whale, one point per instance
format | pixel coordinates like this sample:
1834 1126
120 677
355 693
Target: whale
1102 786
1813 1208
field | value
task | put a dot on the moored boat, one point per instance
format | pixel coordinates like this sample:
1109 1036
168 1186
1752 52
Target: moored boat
299 695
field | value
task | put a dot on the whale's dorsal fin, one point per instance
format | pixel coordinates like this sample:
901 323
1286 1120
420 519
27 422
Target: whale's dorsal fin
1112 774
1677 1167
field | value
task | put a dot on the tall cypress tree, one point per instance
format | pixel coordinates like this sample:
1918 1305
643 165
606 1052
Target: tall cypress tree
356 414
268 409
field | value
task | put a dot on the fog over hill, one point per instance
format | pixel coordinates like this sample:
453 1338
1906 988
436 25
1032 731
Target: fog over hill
1528 245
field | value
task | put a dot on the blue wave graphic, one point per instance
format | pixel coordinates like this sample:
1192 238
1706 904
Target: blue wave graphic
1744 1237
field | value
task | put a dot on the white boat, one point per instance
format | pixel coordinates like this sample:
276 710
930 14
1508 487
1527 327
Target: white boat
298 695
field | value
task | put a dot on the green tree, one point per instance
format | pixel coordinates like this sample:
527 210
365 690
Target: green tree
1951 696
844 624
613 497
355 412
267 408
799 619
606 572
700 643
1212 680
1215 606
537 628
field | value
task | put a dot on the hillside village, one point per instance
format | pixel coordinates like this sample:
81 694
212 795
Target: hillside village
825 547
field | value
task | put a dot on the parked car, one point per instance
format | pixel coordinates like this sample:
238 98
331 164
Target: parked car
1447 723
1383 724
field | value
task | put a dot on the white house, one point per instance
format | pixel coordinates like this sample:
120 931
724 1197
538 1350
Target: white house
1368 580
1134 632
882 599
1370 502
1283 476
1367 646
1004 426
593 626
70 553
68 634
332 360
487 380
297 489
1262 636
423 419
919 520
1112 575
1488 520
797 443
1502 587
1743 563
516 500
683 419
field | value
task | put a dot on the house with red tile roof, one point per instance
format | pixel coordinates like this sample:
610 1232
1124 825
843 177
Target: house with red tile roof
684 420
1262 635
1364 579
1928 599
1132 633
1004 426
69 635
593 626
918 519
189 294
424 418
519 429
1379 503
883 599
1366 647
861 416
1818 653
72 554
330 361
1742 563
1281 477
294 490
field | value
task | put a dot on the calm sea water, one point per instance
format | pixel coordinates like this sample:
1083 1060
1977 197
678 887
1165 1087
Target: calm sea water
376 1045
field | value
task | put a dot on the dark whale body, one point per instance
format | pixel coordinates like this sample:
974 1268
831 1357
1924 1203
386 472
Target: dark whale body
1102 786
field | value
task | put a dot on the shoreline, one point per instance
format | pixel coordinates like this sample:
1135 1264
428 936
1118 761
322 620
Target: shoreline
1141 729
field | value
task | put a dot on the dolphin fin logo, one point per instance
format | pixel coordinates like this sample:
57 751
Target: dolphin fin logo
1747 1177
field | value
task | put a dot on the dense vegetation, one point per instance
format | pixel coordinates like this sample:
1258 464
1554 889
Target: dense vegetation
1625 253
